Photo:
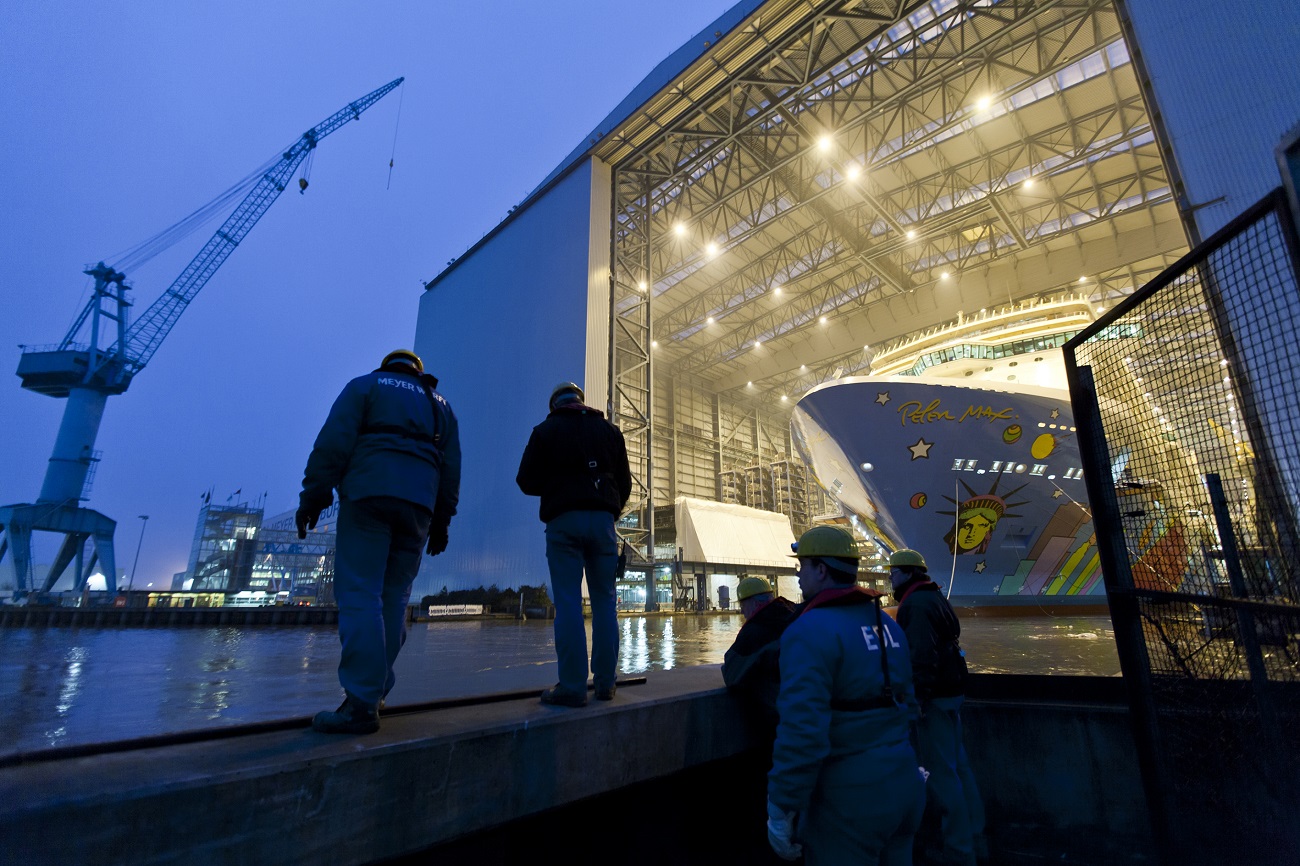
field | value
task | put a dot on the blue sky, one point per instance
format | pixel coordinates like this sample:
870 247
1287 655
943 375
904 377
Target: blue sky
122 117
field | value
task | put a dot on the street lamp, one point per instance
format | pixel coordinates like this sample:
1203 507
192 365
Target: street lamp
144 518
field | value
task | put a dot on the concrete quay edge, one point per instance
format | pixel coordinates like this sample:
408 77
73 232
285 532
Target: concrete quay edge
299 796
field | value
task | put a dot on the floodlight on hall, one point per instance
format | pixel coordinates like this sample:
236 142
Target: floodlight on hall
943 275
641 285
784 398
911 234
1083 279
654 344
824 143
853 171
1029 183
822 320
680 230
776 290
749 384
758 344
984 103
711 250
709 320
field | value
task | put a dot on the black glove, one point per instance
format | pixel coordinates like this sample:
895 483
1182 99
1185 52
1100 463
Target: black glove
437 540
310 505
305 518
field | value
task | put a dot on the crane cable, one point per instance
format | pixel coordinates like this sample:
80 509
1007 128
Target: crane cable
391 156
133 257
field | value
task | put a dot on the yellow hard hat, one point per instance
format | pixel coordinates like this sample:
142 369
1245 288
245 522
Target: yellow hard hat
405 356
826 540
906 557
752 586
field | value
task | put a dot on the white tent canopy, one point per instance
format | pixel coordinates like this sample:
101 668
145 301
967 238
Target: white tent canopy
725 534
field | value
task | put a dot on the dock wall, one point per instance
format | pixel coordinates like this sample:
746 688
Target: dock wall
1060 773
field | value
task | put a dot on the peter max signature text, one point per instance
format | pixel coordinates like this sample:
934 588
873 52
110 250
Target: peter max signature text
912 411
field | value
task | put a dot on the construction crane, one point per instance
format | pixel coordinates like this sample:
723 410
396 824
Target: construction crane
87 375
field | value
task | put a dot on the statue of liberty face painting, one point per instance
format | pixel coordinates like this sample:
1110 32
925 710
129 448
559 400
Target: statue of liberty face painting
977 517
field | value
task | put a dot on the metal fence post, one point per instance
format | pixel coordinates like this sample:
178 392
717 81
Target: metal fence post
1125 613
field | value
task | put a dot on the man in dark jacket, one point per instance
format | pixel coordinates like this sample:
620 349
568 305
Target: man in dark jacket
939 672
391 447
576 461
752 666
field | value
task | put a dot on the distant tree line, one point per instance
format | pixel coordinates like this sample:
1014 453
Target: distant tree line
496 600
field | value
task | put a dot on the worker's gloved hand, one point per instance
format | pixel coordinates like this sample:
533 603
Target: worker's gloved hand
437 539
781 832
310 505
925 774
306 518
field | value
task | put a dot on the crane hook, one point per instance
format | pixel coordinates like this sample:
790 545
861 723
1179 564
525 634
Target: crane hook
302 185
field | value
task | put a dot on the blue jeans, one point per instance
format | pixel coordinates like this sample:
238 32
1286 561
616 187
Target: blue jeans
951 787
578 541
377 555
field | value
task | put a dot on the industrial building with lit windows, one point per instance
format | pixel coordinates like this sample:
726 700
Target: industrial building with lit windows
255 560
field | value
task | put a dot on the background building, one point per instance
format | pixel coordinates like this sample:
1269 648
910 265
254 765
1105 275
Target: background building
240 552
802 184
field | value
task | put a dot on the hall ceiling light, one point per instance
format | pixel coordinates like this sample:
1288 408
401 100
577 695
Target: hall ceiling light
784 398
911 234
1083 279
654 344
709 320
641 285
680 229
984 103
758 344
853 171
711 249
749 384
822 320
803 366
824 143
943 275
776 290
1029 183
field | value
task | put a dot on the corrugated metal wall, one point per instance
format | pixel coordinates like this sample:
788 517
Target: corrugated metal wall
1227 84
499 331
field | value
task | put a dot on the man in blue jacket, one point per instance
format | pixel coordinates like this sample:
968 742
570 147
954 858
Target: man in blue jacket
576 461
391 447
844 782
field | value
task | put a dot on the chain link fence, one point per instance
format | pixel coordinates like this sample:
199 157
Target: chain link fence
1187 399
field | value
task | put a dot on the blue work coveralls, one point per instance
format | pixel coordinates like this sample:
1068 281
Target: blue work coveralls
842 759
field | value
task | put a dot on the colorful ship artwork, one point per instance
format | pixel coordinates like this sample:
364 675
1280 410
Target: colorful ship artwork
985 480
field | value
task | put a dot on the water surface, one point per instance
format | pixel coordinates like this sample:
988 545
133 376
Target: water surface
63 686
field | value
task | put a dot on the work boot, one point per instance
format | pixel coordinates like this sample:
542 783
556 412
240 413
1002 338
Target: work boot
606 693
352 717
562 697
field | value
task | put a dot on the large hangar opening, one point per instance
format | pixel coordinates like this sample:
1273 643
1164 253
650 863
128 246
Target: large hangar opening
804 193
827 185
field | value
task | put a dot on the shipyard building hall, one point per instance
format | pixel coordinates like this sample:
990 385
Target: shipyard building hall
809 193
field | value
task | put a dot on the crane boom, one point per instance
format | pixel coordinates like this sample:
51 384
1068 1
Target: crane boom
88 375
149 330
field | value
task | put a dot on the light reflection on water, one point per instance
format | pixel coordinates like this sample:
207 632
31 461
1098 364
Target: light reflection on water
61 686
